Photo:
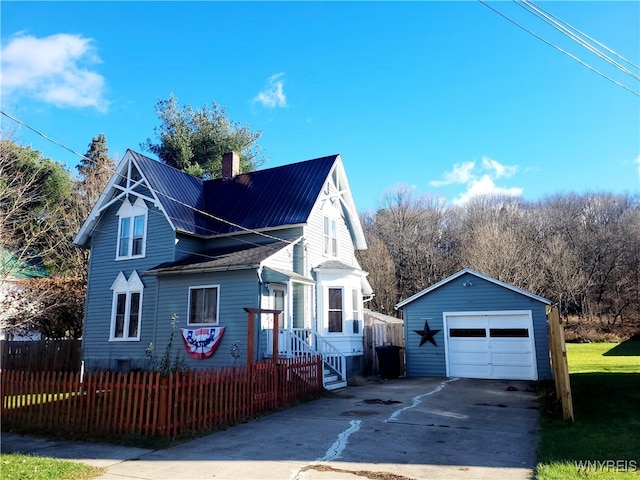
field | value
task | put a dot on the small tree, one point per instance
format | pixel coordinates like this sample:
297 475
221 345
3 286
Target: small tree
194 140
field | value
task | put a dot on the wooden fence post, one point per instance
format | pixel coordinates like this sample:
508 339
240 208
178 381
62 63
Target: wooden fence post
559 363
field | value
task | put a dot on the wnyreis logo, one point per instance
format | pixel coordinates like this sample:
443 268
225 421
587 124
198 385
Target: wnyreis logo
587 466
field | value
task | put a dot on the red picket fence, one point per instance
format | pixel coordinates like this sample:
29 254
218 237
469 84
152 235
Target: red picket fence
147 404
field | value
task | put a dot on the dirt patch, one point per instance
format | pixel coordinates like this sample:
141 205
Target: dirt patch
359 473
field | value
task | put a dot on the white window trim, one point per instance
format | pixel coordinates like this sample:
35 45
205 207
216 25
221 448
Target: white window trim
327 310
200 287
329 234
130 211
127 287
358 309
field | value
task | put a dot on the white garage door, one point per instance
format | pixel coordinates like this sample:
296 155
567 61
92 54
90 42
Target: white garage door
491 345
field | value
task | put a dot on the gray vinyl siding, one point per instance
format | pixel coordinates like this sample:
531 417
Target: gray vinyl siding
99 352
238 289
187 245
428 360
288 234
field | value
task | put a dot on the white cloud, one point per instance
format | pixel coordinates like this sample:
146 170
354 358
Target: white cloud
461 173
499 169
273 94
54 69
485 186
479 179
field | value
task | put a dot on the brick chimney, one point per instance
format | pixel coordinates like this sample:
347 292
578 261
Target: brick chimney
230 165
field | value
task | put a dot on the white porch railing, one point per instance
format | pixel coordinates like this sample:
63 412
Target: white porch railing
302 341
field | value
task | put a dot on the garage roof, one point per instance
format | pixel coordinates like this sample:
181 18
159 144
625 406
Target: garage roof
477 274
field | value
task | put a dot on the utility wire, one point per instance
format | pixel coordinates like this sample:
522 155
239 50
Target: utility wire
539 13
202 212
583 34
559 49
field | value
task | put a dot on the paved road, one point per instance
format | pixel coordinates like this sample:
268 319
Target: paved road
428 428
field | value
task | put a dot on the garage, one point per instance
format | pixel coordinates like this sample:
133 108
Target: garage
490 345
471 325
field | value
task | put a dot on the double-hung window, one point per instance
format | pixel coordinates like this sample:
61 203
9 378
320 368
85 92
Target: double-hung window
330 236
126 311
203 305
132 228
355 307
335 310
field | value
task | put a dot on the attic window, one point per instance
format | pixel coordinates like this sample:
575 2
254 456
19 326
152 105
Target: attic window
132 229
330 237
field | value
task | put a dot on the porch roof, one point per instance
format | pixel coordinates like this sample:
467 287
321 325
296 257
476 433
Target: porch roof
275 275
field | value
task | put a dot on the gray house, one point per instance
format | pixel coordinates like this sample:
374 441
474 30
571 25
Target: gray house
472 325
166 244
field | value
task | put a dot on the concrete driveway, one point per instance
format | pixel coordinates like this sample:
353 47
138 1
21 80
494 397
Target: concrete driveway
427 428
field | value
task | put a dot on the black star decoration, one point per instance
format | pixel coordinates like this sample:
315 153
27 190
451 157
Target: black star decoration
427 334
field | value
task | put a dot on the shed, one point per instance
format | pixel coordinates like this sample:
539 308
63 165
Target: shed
474 326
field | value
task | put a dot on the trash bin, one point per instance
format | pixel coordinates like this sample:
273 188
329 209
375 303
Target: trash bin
389 362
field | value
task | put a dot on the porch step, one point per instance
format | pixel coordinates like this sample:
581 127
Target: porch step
331 381
335 385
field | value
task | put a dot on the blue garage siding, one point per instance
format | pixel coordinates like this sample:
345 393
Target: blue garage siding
99 352
238 289
482 295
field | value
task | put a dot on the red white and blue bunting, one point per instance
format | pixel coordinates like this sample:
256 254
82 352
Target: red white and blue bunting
201 343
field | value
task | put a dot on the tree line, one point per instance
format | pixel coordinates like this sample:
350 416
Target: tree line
579 250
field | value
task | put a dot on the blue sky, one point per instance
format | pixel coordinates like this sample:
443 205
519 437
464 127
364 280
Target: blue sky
448 98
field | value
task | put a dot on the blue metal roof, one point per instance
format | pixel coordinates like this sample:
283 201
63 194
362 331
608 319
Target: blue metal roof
181 194
262 199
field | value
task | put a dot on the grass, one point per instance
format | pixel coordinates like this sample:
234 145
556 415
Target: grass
603 443
29 467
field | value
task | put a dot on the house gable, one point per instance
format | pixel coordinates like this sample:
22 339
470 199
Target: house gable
475 274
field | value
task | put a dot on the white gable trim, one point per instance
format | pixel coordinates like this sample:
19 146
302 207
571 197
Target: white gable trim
114 193
479 275
343 193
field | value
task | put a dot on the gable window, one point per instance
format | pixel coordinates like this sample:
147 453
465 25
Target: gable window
355 307
335 310
203 305
132 229
127 307
330 236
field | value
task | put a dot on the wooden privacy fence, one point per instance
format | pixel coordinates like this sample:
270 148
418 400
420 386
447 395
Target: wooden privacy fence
147 404
41 355
378 335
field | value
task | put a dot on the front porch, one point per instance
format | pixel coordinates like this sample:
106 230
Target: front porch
297 342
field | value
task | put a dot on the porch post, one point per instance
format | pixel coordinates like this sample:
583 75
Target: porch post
251 331
276 334
250 336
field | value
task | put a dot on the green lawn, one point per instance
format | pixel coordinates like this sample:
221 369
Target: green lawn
604 441
28 467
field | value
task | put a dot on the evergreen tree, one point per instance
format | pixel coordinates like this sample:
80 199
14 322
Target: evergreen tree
194 140
95 170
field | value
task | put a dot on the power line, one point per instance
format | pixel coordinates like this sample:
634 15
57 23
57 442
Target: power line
584 35
559 49
558 25
113 171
